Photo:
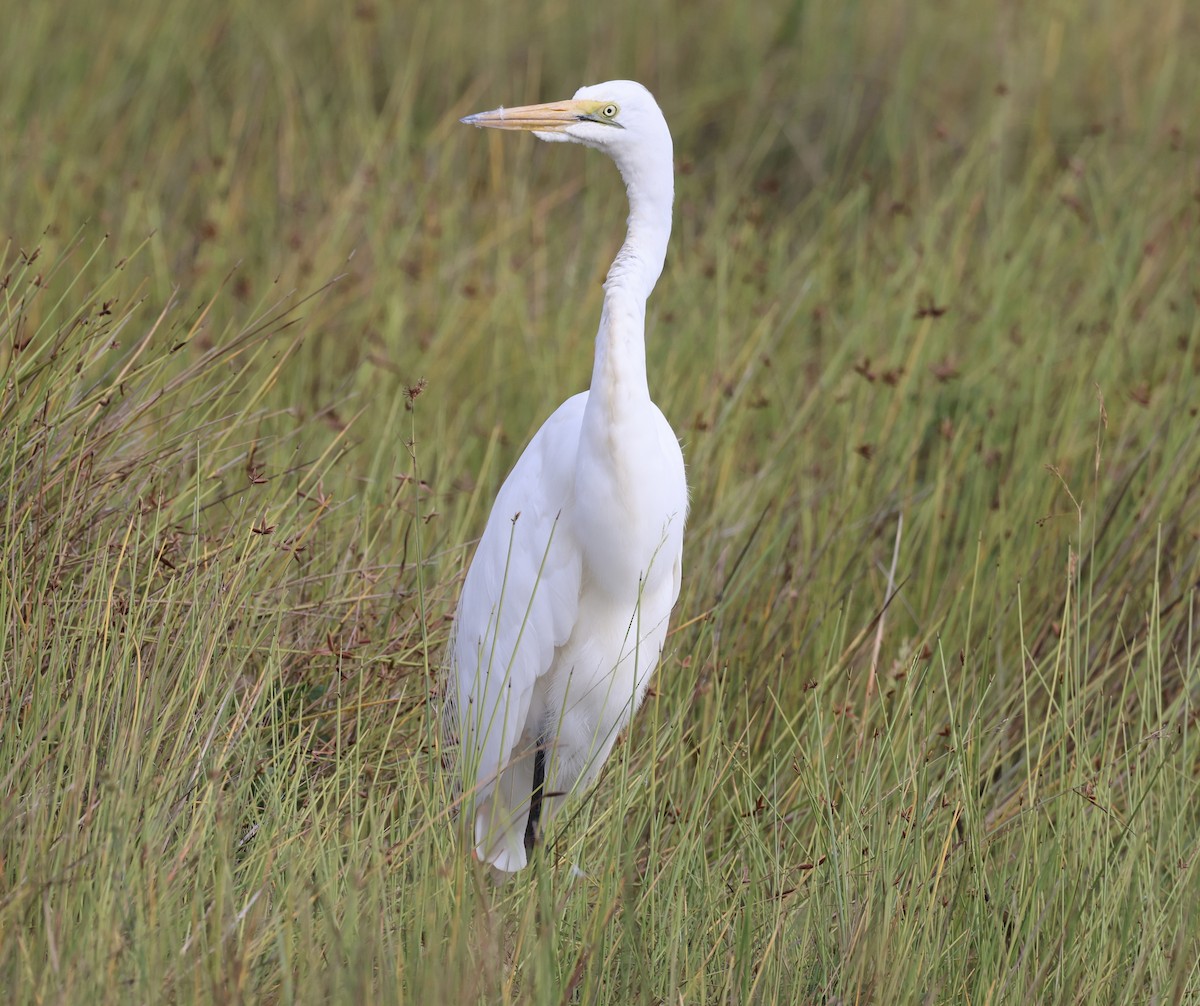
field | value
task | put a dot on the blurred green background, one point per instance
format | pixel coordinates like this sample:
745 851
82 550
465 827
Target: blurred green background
274 328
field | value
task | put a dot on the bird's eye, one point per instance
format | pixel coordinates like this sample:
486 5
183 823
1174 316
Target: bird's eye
609 111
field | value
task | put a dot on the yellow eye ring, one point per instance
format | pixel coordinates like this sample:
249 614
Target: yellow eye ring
609 111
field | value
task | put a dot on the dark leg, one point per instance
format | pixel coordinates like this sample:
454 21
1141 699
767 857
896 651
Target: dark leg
532 831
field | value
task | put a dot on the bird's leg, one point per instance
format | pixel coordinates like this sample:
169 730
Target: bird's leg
532 829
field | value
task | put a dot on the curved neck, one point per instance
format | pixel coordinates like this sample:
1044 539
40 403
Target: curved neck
620 366
651 191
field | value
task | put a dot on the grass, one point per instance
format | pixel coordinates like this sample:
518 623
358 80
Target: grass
273 329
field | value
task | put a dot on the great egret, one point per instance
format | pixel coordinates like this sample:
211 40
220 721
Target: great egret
564 610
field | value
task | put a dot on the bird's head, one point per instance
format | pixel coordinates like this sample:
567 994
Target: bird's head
619 117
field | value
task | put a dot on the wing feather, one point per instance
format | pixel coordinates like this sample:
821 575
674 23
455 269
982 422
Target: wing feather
518 605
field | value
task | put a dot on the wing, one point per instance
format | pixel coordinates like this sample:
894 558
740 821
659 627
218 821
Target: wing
673 544
519 603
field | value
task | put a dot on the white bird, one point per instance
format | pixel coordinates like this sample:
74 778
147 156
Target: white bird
564 610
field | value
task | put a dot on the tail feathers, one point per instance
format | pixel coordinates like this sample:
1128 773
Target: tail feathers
500 835
502 815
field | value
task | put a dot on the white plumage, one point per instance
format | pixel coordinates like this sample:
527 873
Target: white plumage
564 611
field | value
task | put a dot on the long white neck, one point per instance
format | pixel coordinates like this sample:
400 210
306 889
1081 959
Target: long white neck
619 373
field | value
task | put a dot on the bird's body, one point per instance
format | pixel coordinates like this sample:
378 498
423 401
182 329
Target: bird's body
564 611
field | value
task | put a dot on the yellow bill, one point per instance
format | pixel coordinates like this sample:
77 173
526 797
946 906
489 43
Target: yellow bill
552 117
